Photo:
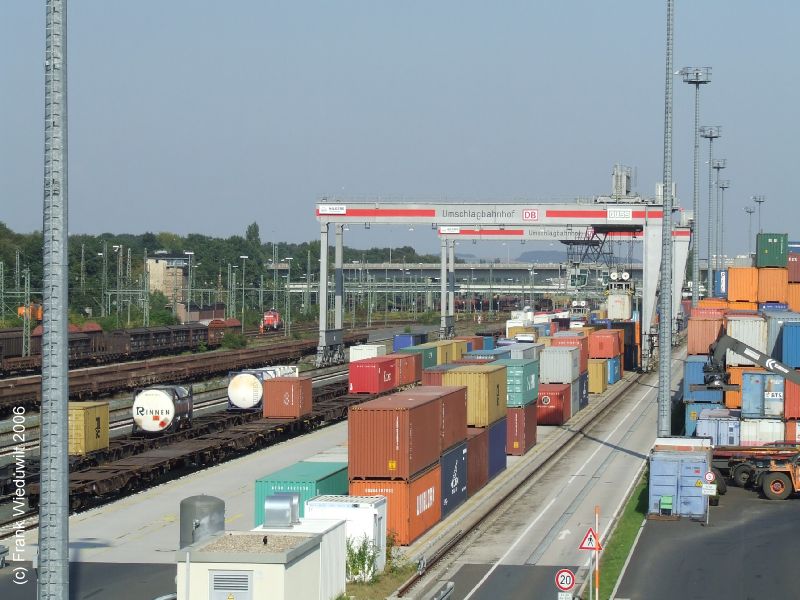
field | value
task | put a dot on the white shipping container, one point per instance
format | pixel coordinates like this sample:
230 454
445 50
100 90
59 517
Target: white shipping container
363 516
526 350
559 364
757 432
511 323
749 330
619 307
364 351
332 555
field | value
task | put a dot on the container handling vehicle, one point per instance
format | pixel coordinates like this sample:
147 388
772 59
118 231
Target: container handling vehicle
773 469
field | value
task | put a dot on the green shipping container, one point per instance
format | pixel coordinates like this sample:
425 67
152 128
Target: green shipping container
428 354
772 249
522 376
308 478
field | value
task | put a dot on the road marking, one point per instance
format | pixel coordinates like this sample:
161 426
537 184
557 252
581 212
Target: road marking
563 534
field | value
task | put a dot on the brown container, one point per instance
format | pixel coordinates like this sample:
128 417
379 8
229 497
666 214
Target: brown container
733 399
475 340
794 267
742 284
791 400
454 412
412 507
741 307
407 367
773 285
794 297
433 375
287 397
477 459
713 303
553 406
604 344
520 429
792 432
702 333
578 341
707 313
394 437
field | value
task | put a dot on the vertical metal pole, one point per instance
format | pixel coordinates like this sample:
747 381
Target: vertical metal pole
323 288
711 214
665 295
83 268
228 294
146 292
2 290
26 312
244 261
338 278
443 288
695 193
18 271
307 301
54 504
451 278
104 280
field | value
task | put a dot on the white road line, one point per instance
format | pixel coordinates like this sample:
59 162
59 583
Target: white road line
549 504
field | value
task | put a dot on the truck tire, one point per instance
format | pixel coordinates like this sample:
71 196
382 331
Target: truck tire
722 485
776 486
742 475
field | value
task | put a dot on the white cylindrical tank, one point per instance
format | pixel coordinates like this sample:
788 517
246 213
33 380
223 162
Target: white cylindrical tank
160 408
246 388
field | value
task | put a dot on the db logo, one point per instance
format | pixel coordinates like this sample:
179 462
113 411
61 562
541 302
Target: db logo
530 214
545 400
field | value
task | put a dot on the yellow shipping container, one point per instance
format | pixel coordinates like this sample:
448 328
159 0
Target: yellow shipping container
459 349
598 375
515 329
545 339
486 391
444 351
88 427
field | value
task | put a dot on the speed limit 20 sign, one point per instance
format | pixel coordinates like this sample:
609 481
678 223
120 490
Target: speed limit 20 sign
565 580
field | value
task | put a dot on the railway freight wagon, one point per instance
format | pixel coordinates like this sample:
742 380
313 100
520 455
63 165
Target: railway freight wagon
246 388
162 408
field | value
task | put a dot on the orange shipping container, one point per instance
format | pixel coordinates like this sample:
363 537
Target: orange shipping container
773 285
742 284
702 333
287 397
604 344
713 303
412 507
734 399
791 397
794 297
792 433
394 437
476 340
407 367
742 306
454 412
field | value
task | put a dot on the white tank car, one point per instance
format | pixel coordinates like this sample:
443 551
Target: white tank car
162 408
246 388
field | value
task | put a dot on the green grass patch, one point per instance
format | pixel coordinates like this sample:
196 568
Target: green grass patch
619 546
383 586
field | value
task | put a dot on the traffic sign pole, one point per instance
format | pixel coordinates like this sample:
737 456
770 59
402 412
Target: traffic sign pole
597 553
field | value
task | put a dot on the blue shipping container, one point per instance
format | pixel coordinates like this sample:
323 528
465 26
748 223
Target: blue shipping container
790 345
721 425
693 375
721 284
614 373
454 478
762 396
693 410
488 342
497 353
676 474
404 340
776 321
575 397
497 447
773 306
583 393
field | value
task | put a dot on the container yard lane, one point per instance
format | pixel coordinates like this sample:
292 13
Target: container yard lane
517 552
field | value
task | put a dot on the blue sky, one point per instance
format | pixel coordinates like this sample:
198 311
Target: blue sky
205 116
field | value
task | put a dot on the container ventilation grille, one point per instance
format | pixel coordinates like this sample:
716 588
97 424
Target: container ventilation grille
224 584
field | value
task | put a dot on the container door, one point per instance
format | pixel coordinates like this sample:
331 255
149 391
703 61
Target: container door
663 481
691 500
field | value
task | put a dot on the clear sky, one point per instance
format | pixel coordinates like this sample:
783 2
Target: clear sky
200 116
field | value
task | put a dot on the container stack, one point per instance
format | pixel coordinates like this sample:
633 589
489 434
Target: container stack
605 357
486 390
412 448
522 384
559 369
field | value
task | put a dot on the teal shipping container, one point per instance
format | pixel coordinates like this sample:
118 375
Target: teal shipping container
428 355
309 479
522 377
772 250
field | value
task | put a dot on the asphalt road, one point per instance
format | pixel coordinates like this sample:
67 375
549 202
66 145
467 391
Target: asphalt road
97 581
748 553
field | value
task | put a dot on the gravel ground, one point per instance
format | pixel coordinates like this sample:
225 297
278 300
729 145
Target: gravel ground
255 543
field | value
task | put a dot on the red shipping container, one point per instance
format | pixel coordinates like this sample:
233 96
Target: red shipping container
287 397
394 437
604 344
433 375
553 405
412 507
372 375
407 367
581 342
454 412
477 459
475 340
794 267
520 429
703 332
707 313
791 400
792 431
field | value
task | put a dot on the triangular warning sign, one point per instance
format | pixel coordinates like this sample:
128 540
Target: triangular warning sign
590 541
